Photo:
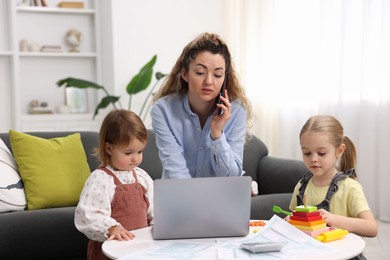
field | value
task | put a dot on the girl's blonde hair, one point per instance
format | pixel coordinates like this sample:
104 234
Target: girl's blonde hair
174 83
119 127
330 125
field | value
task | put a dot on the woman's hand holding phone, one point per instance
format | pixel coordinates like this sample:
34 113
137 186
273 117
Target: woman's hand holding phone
220 118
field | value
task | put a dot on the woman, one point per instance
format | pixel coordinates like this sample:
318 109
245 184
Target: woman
196 135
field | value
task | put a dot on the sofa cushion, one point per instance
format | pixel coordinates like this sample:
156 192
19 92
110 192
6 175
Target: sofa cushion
261 205
12 197
53 170
41 234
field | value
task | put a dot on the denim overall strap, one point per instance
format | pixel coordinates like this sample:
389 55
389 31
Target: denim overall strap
333 187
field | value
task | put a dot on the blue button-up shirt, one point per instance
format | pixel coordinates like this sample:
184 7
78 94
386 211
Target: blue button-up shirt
186 149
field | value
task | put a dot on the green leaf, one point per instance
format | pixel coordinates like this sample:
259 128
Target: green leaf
105 102
78 83
142 80
159 75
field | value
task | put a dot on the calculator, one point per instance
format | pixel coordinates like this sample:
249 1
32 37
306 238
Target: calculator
263 247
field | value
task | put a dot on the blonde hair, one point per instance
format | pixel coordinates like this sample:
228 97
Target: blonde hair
330 125
119 127
174 83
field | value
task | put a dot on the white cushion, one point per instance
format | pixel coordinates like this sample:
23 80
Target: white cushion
12 196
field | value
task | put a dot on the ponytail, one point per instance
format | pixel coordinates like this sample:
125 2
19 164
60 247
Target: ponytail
348 159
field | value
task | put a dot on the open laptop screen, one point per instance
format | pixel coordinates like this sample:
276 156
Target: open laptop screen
201 207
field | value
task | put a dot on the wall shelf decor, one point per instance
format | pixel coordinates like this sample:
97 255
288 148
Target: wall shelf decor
35 54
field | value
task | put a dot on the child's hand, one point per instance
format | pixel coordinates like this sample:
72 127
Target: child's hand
119 233
328 217
255 189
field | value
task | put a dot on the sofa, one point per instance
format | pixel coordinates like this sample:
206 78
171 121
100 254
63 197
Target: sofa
51 234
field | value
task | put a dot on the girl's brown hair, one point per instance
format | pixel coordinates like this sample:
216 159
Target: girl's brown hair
174 83
330 125
119 127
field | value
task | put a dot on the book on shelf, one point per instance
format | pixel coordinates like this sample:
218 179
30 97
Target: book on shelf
41 110
66 4
35 3
51 48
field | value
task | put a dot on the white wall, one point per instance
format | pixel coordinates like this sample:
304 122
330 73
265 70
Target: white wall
142 28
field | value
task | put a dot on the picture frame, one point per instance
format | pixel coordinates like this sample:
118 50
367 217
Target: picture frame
76 99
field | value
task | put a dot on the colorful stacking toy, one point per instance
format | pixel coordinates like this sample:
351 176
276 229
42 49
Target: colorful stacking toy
308 220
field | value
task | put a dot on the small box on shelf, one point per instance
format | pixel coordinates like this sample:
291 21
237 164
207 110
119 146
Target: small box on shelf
66 4
37 107
41 110
51 48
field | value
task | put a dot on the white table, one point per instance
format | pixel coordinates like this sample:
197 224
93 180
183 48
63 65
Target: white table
351 245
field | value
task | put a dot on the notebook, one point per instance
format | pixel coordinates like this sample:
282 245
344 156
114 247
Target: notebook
201 207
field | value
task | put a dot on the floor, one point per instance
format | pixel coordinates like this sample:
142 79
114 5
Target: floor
378 248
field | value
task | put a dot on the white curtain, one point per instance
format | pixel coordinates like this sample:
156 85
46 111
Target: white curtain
305 57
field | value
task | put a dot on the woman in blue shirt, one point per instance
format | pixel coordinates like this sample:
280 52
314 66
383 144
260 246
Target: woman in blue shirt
193 138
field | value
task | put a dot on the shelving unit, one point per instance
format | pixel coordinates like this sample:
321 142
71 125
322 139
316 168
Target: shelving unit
32 74
5 67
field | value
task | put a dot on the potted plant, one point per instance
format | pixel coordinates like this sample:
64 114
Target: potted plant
137 84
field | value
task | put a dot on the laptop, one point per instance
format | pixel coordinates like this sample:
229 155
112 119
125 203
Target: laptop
201 207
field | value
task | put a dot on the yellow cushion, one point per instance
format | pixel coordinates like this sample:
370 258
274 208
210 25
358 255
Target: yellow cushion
53 170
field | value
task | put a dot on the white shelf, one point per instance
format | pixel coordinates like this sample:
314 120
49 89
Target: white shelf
39 9
33 75
57 117
6 53
58 54
60 122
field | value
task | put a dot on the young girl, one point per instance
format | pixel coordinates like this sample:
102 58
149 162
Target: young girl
117 197
331 182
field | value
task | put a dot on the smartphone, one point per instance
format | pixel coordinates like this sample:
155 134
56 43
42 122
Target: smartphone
221 93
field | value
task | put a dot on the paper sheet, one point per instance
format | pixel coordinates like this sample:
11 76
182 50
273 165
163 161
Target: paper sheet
173 251
276 230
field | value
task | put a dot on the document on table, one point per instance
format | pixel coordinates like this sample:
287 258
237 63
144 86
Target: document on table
173 250
276 230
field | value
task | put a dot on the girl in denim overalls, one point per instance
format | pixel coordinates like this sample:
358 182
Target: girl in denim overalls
331 182
117 197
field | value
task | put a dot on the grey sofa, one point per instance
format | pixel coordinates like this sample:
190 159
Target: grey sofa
51 234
